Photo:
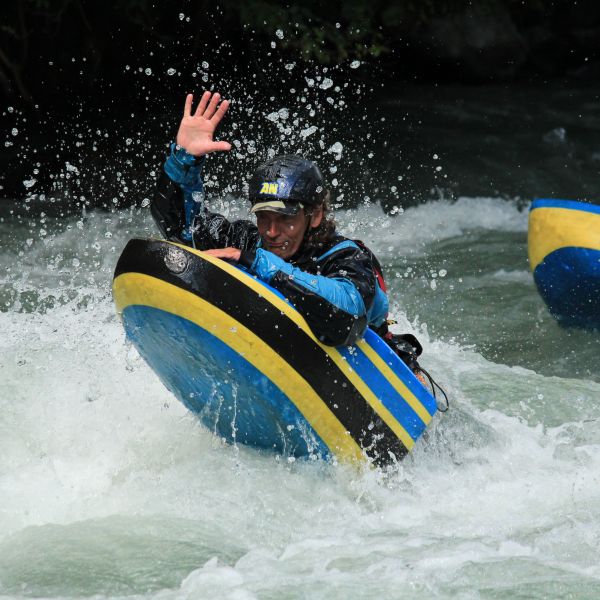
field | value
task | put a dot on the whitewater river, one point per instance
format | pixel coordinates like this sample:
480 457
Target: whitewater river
109 488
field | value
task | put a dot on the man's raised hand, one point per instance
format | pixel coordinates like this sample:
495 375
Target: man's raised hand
196 130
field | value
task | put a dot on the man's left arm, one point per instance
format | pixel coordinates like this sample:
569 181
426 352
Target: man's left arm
336 302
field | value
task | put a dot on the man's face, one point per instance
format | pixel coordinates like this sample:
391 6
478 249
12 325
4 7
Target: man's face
283 234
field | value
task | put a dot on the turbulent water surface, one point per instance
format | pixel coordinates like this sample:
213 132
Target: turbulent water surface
110 489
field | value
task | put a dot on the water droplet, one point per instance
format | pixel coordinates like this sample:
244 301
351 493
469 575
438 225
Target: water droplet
355 64
279 34
308 131
336 149
171 71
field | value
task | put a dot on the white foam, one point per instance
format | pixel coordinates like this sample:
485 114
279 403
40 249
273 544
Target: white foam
432 222
92 442
514 276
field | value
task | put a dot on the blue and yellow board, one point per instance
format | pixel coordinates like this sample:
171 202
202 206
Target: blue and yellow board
237 354
564 255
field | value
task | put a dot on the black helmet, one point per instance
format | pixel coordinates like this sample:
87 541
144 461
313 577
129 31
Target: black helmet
286 184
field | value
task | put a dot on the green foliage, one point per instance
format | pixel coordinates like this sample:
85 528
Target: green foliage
366 27
339 30
325 33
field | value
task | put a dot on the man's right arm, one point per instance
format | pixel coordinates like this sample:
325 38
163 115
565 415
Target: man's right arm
179 211
173 204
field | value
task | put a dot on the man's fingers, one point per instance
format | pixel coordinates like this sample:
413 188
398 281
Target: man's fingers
220 147
220 111
187 109
202 105
212 107
225 253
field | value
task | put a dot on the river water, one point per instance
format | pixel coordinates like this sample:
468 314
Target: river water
110 489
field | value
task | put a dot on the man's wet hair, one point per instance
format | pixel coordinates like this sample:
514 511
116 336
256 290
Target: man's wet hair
321 235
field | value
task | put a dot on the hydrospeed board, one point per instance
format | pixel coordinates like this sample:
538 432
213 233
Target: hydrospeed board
564 255
238 354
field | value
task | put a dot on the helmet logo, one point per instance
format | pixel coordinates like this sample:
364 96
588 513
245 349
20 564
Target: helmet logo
269 188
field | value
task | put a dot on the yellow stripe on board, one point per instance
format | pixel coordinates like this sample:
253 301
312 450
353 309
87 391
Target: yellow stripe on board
335 356
553 228
396 382
372 399
138 289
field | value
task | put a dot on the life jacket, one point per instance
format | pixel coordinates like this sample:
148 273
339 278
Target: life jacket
405 345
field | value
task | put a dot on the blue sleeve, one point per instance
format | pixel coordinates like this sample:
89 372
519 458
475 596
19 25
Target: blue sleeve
338 302
185 170
340 293
180 212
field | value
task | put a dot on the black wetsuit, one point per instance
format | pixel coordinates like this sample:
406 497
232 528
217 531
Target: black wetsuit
334 286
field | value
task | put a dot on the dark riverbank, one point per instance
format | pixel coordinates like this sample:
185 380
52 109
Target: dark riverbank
53 52
461 100
400 144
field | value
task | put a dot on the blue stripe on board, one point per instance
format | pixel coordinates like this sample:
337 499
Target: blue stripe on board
229 395
402 371
384 391
568 204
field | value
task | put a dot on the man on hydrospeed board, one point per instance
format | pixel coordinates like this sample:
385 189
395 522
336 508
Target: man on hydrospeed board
334 282
293 247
